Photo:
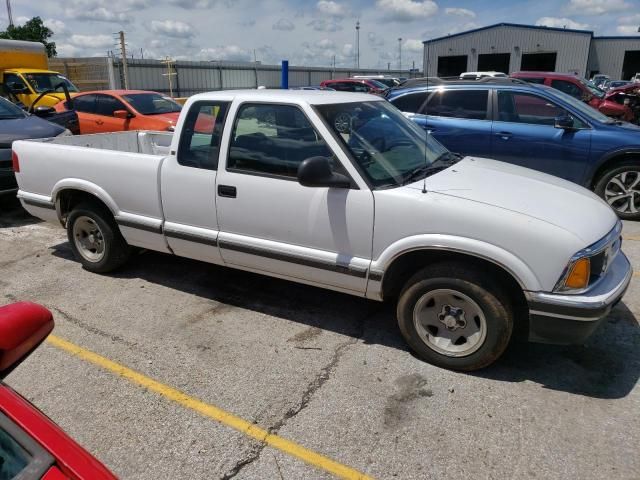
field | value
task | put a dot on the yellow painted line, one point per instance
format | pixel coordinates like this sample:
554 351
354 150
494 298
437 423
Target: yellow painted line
631 237
213 412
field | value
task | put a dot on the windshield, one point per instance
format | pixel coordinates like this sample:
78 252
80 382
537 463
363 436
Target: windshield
592 88
152 103
41 82
8 110
585 109
387 146
378 84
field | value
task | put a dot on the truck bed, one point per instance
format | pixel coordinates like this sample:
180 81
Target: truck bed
145 142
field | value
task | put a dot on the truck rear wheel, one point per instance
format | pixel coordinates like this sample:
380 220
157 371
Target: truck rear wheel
95 239
620 188
455 317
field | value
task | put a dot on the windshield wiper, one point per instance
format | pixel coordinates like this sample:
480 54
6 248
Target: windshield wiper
443 162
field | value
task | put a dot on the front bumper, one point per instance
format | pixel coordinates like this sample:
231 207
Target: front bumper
566 319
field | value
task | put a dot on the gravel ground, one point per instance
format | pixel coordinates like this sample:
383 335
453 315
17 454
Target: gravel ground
325 370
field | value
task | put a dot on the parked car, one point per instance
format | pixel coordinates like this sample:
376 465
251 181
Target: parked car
599 79
120 110
343 192
636 78
388 81
16 124
578 88
312 88
629 95
609 84
355 85
31 445
479 75
533 126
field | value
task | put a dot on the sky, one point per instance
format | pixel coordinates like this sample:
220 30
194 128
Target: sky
305 32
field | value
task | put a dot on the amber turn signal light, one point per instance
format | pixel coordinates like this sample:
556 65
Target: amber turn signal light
579 275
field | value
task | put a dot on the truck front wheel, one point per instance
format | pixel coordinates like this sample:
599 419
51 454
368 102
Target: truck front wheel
455 317
95 239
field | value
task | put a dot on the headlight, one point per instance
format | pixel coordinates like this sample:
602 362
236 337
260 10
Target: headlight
66 133
578 275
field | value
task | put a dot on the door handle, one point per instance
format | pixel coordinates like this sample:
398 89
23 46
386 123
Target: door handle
227 191
99 122
504 135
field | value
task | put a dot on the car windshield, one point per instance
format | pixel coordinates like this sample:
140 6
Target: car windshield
152 103
378 84
595 91
42 82
585 109
8 110
388 147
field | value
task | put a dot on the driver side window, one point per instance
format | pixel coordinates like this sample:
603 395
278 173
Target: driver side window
518 107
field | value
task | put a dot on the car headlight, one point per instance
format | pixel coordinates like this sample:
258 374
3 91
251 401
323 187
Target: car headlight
66 133
578 273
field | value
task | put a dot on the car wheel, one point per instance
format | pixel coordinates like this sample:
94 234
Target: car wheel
455 317
620 188
342 122
95 239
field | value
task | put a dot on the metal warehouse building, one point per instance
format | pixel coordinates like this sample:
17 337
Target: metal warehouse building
508 47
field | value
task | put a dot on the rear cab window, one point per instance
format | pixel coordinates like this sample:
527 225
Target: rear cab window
199 145
465 104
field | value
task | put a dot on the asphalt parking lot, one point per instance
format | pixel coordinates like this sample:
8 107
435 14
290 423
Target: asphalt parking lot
307 367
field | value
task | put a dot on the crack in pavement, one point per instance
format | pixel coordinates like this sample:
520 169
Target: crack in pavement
316 384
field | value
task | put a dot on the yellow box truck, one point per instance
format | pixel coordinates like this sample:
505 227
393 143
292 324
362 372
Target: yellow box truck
24 73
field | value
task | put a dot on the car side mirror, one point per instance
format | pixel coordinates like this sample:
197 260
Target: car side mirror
564 122
44 111
123 114
316 172
23 326
18 87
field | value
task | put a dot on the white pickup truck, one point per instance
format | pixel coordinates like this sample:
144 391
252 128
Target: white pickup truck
340 191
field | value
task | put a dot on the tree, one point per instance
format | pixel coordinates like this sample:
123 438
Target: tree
34 31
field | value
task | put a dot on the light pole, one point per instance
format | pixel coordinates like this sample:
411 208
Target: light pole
358 44
400 53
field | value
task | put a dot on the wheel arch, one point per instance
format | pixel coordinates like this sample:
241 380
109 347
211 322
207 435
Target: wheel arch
69 193
611 160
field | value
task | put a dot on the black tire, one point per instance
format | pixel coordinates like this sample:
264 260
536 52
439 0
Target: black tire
115 249
496 314
621 207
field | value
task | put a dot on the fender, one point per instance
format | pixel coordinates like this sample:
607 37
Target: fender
85 186
520 271
619 151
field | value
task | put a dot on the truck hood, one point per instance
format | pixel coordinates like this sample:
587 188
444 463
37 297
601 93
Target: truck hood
527 192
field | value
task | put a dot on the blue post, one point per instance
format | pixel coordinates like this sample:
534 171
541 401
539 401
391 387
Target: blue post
284 82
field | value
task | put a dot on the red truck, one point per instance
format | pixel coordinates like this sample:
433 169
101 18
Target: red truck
579 88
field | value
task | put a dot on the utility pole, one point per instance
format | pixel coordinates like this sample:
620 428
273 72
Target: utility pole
9 15
123 53
170 73
358 44
400 53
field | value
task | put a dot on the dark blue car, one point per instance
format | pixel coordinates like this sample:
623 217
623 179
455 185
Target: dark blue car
533 126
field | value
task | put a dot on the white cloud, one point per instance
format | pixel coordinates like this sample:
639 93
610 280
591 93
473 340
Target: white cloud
193 4
172 28
21 20
225 52
630 19
67 50
322 25
92 41
284 25
331 8
460 12
561 23
628 30
99 14
375 41
597 7
407 10
326 43
58 27
413 46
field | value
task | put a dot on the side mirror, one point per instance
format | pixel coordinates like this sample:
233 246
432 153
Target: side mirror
23 326
316 172
44 111
123 114
564 122
18 87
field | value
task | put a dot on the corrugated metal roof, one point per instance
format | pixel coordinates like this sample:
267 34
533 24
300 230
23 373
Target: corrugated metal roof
534 27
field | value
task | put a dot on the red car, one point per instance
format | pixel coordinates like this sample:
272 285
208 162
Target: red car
120 110
363 85
579 88
628 95
31 445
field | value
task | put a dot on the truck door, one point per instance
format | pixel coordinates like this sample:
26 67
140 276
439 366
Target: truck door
188 180
16 84
270 223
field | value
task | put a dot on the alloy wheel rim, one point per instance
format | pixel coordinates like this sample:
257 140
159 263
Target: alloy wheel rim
88 239
450 322
622 191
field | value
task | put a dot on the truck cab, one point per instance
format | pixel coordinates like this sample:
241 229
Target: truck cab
24 73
